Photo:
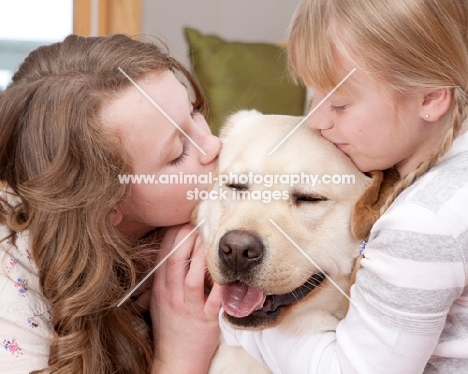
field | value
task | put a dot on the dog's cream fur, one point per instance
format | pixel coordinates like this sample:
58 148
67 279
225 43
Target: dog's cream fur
315 217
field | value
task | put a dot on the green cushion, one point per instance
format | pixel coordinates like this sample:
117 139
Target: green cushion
237 76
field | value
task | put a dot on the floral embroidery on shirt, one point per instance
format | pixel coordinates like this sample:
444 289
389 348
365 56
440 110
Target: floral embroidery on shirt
11 265
22 287
32 322
28 254
12 347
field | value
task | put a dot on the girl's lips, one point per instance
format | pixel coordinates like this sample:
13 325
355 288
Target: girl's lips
340 146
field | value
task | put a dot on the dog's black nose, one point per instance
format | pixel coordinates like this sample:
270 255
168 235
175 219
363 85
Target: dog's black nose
239 249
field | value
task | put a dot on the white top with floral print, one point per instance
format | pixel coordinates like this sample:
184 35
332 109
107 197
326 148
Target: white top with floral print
25 327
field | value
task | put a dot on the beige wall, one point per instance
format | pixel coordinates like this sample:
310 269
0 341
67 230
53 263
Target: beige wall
239 20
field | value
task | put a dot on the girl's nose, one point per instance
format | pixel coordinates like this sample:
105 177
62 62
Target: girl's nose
319 122
211 145
320 119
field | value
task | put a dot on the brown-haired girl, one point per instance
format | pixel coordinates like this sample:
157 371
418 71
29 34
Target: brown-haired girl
75 239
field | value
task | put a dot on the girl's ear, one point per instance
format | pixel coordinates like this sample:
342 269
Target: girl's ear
435 104
116 217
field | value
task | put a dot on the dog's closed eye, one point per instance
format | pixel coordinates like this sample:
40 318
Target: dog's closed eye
307 198
238 186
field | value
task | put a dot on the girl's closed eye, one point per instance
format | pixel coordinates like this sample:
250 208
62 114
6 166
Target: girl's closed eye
338 108
178 160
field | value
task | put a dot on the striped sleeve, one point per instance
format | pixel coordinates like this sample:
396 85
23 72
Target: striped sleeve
414 277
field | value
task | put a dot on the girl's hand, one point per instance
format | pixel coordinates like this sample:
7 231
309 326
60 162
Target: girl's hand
185 320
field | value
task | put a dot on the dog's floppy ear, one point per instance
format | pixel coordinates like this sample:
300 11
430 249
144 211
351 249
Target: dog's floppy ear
367 209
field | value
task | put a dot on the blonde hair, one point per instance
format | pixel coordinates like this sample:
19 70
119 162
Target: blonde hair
411 46
64 165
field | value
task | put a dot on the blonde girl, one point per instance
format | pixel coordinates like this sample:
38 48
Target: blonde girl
75 240
405 107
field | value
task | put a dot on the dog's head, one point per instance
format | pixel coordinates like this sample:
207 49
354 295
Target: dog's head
278 222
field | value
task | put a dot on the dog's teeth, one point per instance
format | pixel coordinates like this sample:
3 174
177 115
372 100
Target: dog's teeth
260 306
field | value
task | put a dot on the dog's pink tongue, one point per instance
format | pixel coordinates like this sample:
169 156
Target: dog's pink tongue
239 300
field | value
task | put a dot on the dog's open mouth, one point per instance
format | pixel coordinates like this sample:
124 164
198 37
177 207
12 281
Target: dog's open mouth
240 300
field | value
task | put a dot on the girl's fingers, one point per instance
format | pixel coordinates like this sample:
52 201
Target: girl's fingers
168 282
180 279
195 286
177 264
167 243
213 302
195 280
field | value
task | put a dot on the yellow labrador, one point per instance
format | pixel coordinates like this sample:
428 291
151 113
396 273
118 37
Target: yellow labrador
277 230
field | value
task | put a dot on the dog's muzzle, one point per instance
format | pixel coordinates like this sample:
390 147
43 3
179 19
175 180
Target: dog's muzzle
240 252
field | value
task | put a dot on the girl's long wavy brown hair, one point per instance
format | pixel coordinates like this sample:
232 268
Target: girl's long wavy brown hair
411 46
64 165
